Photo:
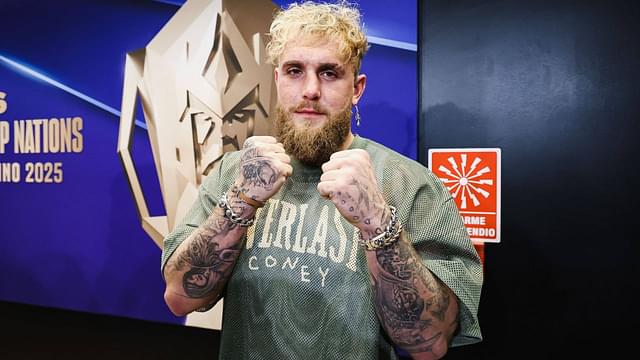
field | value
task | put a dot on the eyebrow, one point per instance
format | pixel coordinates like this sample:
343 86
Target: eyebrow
321 67
291 63
331 66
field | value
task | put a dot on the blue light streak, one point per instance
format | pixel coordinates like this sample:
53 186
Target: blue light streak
29 72
392 43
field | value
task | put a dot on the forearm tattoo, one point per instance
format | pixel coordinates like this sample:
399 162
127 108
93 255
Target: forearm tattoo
205 262
409 299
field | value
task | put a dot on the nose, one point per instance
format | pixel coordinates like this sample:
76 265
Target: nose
311 90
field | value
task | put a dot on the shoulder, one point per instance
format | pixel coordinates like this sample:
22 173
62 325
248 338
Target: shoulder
399 172
384 156
222 172
229 161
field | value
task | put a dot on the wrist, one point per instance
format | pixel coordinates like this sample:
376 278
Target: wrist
246 196
377 224
236 202
236 210
385 238
241 197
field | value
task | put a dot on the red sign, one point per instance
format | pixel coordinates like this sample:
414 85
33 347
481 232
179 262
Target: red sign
473 178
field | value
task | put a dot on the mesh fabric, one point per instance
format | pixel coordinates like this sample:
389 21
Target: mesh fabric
300 288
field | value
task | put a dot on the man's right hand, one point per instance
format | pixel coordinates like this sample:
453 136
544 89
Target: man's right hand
264 167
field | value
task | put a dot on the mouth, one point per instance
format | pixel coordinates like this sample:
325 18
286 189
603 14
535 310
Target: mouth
309 112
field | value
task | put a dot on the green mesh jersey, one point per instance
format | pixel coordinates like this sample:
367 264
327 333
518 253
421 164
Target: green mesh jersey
300 288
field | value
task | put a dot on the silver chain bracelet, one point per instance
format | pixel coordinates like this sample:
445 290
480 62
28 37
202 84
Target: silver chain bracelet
390 235
230 215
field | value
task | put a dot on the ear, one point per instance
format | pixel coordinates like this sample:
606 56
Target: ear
358 88
276 74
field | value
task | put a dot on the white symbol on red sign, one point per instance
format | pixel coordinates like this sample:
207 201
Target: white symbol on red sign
472 176
466 180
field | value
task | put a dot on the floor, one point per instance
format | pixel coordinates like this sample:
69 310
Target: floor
32 332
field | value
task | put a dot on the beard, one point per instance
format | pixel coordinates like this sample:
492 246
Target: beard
312 146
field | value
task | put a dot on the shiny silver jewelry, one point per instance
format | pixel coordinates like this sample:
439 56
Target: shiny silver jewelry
230 215
390 235
357 115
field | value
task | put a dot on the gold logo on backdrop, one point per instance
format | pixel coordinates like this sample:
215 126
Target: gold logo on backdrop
205 85
3 103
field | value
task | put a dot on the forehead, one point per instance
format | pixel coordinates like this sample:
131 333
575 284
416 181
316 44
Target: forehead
311 50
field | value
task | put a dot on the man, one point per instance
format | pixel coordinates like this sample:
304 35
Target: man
325 245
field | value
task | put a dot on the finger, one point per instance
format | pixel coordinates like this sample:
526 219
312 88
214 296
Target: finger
325 188
341 154
279 182
330 175
253 140
335 164
355 153
262 150
347 153
281 148
270 147
275 148
287 170
264 139
282 157
281 168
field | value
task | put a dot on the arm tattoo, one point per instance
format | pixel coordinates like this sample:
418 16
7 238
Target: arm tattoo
408 298
206 264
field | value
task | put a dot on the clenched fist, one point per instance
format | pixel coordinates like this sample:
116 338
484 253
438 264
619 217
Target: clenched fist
264 167
349 182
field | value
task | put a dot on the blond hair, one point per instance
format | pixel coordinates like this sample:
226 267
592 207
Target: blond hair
340 22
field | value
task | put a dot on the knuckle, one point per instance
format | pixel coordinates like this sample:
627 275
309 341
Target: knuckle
248 142
349 172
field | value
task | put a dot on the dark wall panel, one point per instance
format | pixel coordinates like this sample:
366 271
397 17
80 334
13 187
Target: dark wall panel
555 85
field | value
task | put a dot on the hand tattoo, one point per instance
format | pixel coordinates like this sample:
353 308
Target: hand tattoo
259 173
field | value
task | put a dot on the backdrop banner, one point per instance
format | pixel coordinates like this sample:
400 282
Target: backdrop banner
111 115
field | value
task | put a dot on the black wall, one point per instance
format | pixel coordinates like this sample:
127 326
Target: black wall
555 85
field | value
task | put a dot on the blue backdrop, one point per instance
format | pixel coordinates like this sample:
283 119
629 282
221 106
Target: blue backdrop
78 244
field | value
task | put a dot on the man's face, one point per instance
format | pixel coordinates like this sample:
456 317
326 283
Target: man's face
316 90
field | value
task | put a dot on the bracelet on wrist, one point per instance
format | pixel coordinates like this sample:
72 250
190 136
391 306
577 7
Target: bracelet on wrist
223 203
390 235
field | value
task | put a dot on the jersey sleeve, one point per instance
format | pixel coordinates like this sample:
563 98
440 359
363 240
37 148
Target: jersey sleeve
434 226
207 200
447 251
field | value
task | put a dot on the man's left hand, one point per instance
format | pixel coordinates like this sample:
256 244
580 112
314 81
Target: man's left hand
349 182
